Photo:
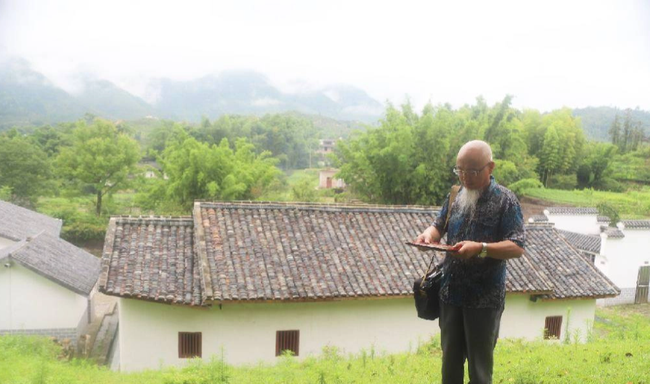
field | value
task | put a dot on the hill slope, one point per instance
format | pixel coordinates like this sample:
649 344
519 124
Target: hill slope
596 121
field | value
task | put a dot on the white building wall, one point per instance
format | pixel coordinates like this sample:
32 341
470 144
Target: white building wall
585 224
322 179
29 301
4 242
525 319
149 331
625 256
148 336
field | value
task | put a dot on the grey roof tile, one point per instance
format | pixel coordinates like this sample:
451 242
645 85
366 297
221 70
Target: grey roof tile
59 261
235 251
636 224
572 211
17 223
538 219
589 243
612 232
571 275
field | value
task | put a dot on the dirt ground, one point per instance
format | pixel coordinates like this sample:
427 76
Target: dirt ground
530 207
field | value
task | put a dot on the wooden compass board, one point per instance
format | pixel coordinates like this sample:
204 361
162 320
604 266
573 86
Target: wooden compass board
435 246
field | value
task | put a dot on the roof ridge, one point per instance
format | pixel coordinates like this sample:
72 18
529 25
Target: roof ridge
577 233
315 206
8 251
153 219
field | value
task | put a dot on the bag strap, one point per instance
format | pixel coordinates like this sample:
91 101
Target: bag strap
452 197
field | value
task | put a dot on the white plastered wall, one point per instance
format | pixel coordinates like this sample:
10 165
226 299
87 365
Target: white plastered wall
585 224
525 319
622 257
148 336
149 331
4 242
31 301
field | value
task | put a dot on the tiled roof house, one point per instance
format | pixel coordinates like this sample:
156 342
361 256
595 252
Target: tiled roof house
583 220
624 255
244 273
588 244
619 252
45 282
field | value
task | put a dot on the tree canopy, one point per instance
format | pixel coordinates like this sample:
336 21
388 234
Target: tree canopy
99 157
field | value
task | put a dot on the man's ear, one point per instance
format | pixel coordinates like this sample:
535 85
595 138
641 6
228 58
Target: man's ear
491 166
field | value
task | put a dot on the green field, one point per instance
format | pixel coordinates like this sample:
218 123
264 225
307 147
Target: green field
631 204
616 353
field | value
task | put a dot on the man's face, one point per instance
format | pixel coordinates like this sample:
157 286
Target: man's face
474 171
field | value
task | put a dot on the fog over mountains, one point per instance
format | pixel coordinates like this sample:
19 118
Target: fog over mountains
29 98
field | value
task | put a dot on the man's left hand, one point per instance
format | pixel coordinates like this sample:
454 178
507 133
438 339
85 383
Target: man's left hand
468 250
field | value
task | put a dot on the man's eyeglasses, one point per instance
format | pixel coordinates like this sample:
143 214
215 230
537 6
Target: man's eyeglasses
469 172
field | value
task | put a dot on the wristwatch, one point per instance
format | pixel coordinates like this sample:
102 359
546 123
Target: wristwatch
483 253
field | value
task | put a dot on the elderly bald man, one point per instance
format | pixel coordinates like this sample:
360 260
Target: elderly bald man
486 219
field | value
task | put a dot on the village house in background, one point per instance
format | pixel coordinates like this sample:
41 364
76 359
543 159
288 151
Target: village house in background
255 279
326 179
152 170
325 147
46 283
574 219
620 252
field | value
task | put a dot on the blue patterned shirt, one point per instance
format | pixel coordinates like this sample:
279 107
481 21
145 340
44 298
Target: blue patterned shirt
480 282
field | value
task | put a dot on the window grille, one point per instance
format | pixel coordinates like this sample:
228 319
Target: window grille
553 327
189 345
287 340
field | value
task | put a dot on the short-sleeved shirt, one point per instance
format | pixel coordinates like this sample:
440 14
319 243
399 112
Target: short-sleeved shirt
480 282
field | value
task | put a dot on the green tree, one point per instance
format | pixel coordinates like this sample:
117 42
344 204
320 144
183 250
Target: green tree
99 157
550 160
605 209
202 171
615 131
599 160
304 190
24 169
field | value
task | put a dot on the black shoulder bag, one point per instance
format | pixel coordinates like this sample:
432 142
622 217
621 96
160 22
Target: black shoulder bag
426 290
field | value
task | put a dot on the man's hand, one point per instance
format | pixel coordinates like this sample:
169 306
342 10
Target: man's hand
429 236
468 250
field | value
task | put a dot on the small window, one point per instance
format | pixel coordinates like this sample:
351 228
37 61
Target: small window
553 327
189 345
287 340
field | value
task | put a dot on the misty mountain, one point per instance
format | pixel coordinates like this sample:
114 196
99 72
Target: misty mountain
105 99
29 98
247 92
596 121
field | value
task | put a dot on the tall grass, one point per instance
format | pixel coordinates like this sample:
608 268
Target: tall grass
631 204
618 353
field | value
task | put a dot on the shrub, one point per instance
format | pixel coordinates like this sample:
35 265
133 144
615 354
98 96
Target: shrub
566 182
608 184
521 186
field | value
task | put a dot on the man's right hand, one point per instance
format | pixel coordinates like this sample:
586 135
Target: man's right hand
429 236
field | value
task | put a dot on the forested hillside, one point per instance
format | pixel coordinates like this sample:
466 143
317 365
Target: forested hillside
597 121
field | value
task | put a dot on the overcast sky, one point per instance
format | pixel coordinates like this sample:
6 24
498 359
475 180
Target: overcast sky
548 54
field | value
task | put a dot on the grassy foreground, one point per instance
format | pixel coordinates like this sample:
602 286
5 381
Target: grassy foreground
631 204
618 352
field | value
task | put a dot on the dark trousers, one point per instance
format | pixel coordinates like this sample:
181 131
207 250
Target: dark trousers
468 333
